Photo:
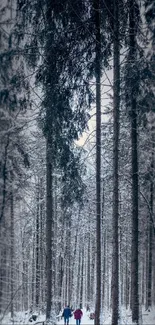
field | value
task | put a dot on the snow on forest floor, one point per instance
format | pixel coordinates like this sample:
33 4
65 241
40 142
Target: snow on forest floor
148 318
22 318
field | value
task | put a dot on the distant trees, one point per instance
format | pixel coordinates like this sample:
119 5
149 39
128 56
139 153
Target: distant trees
79 219
14 160
62 69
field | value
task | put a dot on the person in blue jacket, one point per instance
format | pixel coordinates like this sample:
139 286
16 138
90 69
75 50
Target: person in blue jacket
66 314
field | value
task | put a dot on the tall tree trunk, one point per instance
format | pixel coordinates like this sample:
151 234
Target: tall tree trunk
143 282
33 271
68 257
54 245
60 280
104 269
150 244
116 104
4 179
146 267
134 247
74 262
12 251
41 243
49 222
153 275
88 271
82 276
78 279
61 263
37 250
126 279
98 161
103 230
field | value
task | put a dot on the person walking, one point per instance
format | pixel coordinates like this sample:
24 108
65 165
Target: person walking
66 314
77 315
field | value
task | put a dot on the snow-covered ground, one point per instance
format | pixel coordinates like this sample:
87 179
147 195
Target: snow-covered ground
146 318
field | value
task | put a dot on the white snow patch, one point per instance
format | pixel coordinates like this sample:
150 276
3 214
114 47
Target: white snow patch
22 318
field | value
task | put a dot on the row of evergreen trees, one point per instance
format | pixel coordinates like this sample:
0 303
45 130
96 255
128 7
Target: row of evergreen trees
56 51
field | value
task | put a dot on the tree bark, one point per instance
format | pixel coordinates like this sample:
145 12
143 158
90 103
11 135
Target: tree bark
4 191
88 270
12 251
149 291
82 275
78 280
116 104
33 271
41 243
68 257
126 279
74 262
37 251
98 161
134 140
103 230
49 221
104 269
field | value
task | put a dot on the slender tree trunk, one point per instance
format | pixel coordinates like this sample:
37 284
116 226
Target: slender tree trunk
153 275
78 279
88 273
1 287
37 251
146 267
54 245
108 287
33 271
116 104
98 161
74 263
143 281
134 248
60 280
49 221
68 257
4 179
12 251
41 242
150 268
104 250
104 269
61 263
150 244
126 279
82 276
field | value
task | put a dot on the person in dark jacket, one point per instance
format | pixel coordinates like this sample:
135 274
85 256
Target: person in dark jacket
66 314
77 315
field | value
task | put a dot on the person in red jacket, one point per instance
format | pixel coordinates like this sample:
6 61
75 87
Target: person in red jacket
77 315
